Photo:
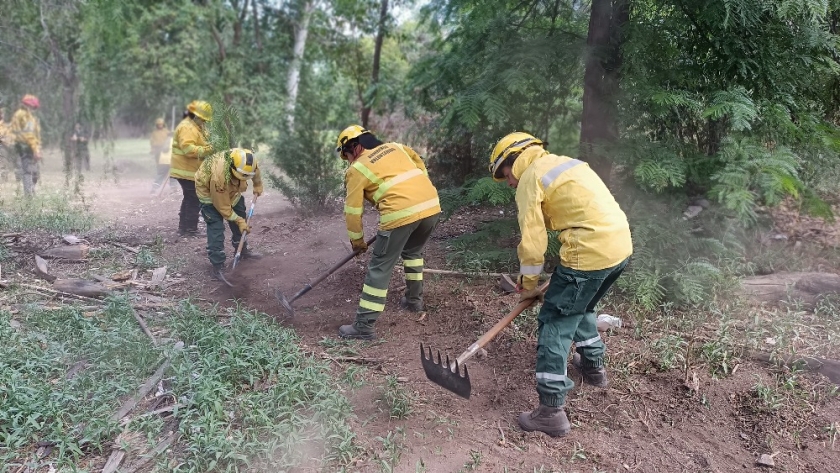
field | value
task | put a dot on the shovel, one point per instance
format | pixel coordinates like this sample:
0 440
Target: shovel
287 303
448 375
244 236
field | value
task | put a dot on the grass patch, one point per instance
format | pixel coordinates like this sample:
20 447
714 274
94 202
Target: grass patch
50 212
253 398
62 373
249 398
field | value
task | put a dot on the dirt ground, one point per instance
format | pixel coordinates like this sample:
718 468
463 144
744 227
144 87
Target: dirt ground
646 421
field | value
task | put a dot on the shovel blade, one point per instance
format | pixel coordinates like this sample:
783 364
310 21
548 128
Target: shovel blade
446 375
284 302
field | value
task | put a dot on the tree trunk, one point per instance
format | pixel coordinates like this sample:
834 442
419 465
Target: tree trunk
377 54
599 126
293 79
808 288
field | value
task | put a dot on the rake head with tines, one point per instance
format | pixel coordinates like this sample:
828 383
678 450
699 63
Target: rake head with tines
447 375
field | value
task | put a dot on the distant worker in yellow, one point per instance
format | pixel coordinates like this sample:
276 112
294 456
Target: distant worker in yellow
26 136
563 194
219 184
393 178
160 148
189 148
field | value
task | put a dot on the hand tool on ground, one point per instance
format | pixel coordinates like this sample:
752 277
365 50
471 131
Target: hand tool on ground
244 236
161 186
287 303
448 375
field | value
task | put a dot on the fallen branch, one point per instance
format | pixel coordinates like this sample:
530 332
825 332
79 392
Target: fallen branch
145 389
114 461
161 447
353 359
143 325
60 293
125 247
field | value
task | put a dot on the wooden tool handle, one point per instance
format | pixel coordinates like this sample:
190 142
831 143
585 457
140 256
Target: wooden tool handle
326 273
491 334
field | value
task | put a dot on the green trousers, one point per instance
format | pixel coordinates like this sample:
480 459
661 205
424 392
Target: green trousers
407 242
216 231
568 315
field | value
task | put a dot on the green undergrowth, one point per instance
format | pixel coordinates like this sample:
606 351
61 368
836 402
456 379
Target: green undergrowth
62 374
253 399
248 398
51 212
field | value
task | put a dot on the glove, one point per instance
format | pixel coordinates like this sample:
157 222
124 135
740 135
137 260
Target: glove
257 193
532 294
359 245
243 225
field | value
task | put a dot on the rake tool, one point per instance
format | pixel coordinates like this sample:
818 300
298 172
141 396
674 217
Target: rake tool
287 303
448 375
244 236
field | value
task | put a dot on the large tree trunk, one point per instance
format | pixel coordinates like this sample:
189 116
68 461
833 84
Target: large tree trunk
599 126
377 54
293 79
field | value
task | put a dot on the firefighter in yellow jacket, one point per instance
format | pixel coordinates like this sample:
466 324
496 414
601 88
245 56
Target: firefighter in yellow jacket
564 194
393 178
26 135
189 148
159 144
219 184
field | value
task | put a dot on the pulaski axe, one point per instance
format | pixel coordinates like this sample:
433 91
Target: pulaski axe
287 303
448 375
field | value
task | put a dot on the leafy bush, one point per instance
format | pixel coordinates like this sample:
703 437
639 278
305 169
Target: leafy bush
312 173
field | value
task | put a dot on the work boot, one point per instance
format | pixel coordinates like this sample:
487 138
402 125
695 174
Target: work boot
349 331
548 420
593 376
411 306
247 253
189 233
218 272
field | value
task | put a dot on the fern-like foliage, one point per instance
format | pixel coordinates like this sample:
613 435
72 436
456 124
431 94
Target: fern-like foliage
754 174
221 131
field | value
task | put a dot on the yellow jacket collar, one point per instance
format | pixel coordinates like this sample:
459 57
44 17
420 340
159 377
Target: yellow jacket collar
526 157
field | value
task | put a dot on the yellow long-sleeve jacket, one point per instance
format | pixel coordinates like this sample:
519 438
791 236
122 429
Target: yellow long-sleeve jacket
158 138
565 194
25 129
394 179
189 148
212 187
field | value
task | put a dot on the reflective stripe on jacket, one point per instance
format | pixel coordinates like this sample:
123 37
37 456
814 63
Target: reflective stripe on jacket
394 179
564 194
212 188
26 130
189 148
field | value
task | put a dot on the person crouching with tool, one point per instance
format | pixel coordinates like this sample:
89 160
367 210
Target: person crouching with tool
393 178
219 184
564 194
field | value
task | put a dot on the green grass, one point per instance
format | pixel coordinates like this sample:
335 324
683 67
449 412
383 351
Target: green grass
55 213
250 399
253 398
37 400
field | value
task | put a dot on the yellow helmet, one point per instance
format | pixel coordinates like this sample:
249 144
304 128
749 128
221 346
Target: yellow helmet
159 122
350 133
201 109
512 143
244 163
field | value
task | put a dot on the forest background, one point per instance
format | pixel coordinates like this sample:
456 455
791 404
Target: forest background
730 106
